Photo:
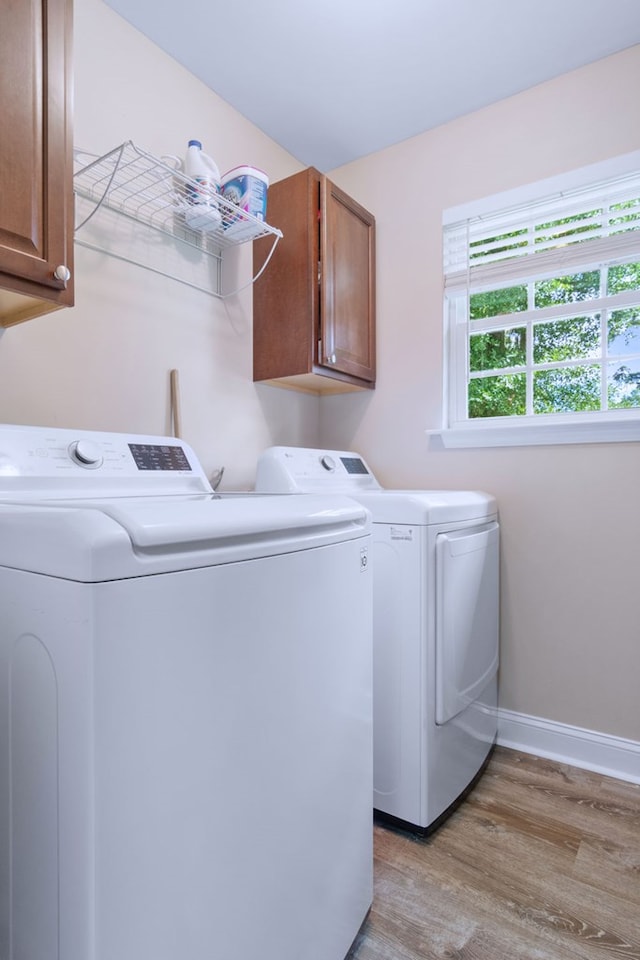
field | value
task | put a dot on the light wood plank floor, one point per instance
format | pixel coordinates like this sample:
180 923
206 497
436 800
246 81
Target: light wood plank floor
541 862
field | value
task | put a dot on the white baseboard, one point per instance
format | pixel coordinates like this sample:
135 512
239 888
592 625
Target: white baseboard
612 756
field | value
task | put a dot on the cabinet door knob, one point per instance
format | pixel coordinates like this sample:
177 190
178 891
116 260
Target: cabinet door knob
62 273
331 359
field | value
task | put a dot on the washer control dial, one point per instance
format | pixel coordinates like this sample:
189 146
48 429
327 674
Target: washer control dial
86 453
328 462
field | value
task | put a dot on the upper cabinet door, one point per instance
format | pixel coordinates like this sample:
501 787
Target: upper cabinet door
36 158
314 304
347 295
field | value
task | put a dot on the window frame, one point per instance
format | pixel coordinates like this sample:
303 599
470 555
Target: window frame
581 427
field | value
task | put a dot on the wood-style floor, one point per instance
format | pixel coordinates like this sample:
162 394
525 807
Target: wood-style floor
541 862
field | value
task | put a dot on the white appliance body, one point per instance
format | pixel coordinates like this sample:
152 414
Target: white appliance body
436 582
185 737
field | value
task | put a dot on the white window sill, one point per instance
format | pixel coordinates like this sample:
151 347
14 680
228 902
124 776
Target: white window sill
509 434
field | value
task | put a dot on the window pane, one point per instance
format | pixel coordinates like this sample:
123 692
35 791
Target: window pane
496 303
624 332
578 286
500 348
504 396
570 339
623 386
568 390
624 277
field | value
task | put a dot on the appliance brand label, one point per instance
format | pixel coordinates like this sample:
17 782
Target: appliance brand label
402 533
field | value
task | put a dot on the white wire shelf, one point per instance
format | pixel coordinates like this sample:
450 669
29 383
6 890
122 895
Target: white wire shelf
135 184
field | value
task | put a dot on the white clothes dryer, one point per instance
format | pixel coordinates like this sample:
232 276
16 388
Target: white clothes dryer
435 561
185 737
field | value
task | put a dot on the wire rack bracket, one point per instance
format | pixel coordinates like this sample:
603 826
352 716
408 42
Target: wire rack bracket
134 184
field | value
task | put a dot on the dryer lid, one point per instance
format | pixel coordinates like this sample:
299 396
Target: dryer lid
425 507
305 470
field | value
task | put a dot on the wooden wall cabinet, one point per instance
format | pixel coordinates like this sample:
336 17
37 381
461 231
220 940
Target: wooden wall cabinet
314 305
36 158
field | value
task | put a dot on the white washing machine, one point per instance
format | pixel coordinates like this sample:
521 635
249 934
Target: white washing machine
435 560
185 734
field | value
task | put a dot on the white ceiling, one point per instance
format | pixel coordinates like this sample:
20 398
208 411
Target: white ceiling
334 80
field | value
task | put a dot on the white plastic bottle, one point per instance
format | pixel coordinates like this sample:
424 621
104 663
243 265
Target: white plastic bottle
202 211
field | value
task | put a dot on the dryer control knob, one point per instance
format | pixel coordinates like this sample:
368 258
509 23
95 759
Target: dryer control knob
86 453
328 462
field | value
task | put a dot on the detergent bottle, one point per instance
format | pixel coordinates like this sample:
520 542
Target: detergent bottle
202 211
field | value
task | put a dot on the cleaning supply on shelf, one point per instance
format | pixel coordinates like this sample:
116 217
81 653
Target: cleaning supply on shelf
246 188
202 210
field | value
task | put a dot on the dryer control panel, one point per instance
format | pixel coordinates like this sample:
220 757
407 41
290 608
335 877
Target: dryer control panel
306 470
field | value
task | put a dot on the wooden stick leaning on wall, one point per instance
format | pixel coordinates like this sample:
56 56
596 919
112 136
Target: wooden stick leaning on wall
176 417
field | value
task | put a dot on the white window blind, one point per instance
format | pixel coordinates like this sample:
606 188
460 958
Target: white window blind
531 240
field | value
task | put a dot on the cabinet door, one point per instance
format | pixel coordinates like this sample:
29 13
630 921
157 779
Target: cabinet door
347 296
36 199
285 296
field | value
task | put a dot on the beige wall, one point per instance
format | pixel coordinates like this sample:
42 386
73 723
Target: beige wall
105 363
570 514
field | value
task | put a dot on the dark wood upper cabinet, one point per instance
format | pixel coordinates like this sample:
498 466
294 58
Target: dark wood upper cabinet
314 305
36 158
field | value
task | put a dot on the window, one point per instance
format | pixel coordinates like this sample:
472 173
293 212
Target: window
542 308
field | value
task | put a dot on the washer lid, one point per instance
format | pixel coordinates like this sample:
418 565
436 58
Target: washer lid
96 540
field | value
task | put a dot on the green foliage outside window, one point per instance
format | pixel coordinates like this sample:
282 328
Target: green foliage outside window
496 349
623 277
579 286
497 303
623 387
568 388
624 331
498 396
571 339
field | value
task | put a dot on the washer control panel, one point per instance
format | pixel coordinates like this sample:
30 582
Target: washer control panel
42 458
